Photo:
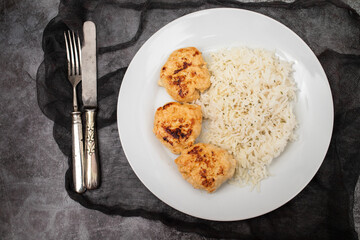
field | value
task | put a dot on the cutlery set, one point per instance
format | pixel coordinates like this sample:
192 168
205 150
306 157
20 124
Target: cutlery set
82 68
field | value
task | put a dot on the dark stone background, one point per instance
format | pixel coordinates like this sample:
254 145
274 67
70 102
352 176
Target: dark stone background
34 203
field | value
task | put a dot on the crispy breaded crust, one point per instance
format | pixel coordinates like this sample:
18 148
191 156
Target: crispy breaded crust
185 74
177 125
206 166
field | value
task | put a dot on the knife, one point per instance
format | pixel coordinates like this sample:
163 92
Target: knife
89 98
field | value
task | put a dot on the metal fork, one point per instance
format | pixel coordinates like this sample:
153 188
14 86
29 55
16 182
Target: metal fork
73 53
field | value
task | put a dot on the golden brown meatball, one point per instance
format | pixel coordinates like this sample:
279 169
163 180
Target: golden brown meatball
185 74
177 125
206 166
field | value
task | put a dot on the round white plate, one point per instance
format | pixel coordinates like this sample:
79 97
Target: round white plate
209 30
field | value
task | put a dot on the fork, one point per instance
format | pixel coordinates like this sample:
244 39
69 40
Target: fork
73 54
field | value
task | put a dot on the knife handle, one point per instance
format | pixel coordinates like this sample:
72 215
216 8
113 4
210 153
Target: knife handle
92 176
77 153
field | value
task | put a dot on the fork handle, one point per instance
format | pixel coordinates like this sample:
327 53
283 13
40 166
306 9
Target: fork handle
92 176
77 153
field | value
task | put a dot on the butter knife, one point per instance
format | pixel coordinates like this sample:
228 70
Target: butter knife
89 98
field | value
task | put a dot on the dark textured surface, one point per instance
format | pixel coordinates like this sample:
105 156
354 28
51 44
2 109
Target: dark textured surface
34 202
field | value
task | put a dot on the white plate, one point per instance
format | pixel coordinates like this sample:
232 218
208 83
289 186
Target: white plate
210 30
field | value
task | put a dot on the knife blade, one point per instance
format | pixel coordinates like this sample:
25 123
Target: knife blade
89 98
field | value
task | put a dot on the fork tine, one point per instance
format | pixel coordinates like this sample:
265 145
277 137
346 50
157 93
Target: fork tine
71 55
75 54
79 47
67 53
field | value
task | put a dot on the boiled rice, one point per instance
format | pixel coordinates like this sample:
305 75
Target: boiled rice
248 109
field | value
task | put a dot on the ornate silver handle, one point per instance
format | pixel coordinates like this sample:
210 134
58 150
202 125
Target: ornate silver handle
92 176
77 153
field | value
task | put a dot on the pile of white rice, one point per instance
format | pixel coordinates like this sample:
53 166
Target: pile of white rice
248 109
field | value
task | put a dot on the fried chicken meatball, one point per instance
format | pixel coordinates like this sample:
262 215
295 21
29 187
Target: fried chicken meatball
206 166
185 75
178 125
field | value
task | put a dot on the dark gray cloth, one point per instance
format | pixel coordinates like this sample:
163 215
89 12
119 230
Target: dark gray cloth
323 210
